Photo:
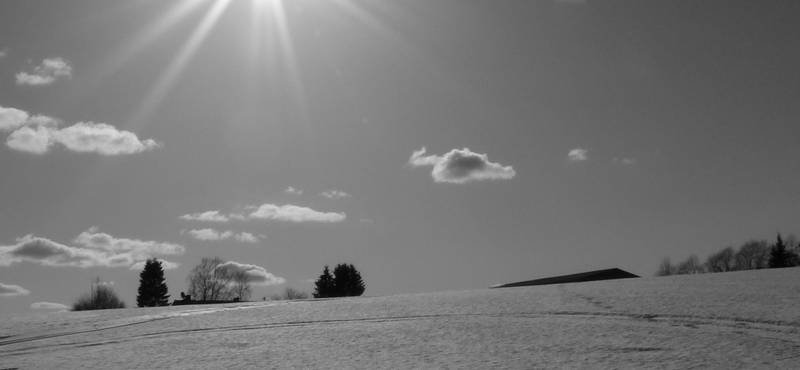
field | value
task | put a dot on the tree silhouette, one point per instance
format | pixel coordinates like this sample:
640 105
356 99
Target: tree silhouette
209 281
324 285
779 256
345 282
152 288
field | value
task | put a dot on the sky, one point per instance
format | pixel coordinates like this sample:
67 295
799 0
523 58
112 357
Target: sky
436 145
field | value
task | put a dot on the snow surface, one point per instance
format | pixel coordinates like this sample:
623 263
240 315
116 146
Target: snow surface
746 320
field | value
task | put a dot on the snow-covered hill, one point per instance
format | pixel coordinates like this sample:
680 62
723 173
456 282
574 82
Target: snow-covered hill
747 320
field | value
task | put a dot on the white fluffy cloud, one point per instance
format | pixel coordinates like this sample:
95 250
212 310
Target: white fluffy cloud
94 249
334 194
460 166
258 275
45 73
49 306
13 118
9 290
294 213
166 265
291 190
578 154
101 138
210 216
36 134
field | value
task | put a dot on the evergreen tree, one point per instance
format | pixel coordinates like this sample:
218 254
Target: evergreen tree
152 288
347 280
779 256
324 285
344 282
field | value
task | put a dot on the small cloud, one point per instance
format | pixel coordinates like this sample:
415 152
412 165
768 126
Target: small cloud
210 234
45 73
48 306
625 161
334 194
258 275
3 53
210 216
294 213
27 139
578 155
291 190
9 290
460 166
246 237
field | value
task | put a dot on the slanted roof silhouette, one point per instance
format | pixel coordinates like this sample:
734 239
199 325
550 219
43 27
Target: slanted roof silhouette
607 274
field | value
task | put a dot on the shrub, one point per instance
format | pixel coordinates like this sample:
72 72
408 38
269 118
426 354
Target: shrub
102 297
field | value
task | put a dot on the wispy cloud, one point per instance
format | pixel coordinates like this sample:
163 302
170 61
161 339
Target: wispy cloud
93 249
48 306
246 237
3 53
9 290
166 265
625 161
294 213
293 191
578 155
211 235
36 134
258 275
334 194
45 73
210 216
461 165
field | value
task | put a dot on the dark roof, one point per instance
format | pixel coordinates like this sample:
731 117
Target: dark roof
607 274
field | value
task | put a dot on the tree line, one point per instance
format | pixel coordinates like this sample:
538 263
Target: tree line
752 255
213 280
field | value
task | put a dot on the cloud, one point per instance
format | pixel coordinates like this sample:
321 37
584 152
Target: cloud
291 190
102 138
210 216
625 161
36 134
578 155
95 249
48 306
166 265
210 234
334 194
3 53
13 118
460 166
246 237
258 275
45 73
295 213
9 290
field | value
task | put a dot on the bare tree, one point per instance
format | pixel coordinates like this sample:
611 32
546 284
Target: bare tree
209 281
722 261
692 265
752 255
665 268
241 285
288 294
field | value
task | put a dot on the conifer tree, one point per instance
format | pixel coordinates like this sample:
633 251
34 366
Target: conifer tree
324 285
152 288
779 256
347 280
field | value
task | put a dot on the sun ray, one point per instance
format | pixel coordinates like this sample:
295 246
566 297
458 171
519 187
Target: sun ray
176 67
